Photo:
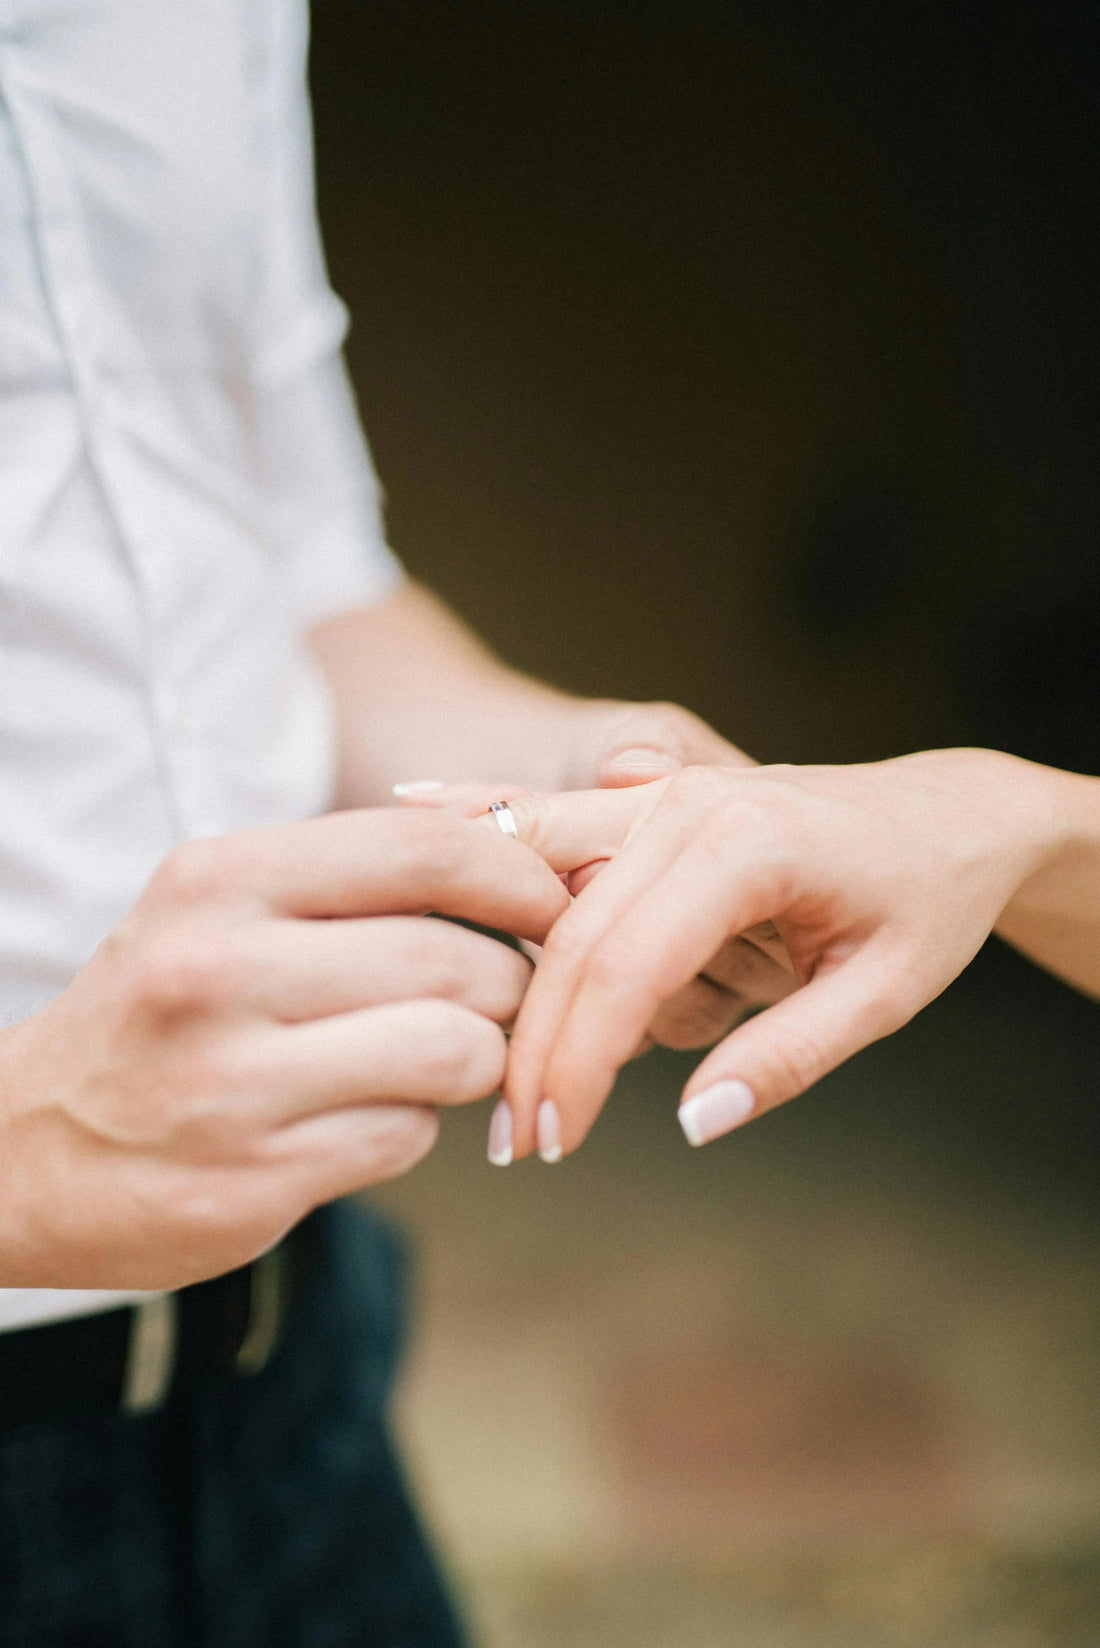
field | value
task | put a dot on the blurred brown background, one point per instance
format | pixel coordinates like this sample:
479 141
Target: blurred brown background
746 356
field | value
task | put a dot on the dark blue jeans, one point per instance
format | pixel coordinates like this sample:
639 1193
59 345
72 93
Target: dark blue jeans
246 1513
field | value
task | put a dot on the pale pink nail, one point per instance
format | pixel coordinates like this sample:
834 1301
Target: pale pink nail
548 1132
714 1111
642 758
418 786
500 1135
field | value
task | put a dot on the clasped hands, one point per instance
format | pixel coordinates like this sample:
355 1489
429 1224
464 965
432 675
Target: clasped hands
277 1020
275 1023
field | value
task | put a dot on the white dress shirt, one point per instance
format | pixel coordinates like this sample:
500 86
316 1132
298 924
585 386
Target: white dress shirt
183 483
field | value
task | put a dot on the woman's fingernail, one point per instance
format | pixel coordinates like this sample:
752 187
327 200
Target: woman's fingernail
500 1135
707 1115
548 1132
642 758
418 786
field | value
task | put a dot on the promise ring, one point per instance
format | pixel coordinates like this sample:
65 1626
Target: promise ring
505 818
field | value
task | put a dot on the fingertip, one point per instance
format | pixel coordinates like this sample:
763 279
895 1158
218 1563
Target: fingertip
500 1135
715 1111
416 789
548 1132
577 880
637 766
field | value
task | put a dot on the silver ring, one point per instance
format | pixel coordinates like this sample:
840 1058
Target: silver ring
505 818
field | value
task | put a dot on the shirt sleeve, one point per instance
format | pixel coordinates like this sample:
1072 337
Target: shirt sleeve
318 479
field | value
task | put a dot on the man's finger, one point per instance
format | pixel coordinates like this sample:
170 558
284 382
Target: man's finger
756 967
377 861
741 978
416 1052
697 1015
340 1151
302 970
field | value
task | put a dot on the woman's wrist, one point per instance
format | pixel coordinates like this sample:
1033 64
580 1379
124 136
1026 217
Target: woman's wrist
1053 914
1024 815
1057 815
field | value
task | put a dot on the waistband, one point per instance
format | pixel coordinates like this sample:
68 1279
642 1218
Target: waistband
132 1360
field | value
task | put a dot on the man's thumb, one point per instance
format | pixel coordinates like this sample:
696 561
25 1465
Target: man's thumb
656 740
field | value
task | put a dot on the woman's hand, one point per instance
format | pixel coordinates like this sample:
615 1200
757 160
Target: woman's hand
881 882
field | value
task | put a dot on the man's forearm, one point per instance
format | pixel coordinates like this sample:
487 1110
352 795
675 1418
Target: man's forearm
418 696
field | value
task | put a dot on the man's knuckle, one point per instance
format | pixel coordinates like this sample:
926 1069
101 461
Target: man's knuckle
757 811
208 1210
506 984
215 1133
432 1030
485 1059
566 942
409 1133
226 1219
195 872
222 1085
467 1053
240 964
431 846
476 971
438 957
180 969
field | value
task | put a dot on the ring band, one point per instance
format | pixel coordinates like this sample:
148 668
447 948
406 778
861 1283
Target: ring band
505 818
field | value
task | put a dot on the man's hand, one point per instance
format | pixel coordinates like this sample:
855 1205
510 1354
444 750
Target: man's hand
272 1026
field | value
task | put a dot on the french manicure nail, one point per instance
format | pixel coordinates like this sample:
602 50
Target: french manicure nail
548 1132
500 1135
418 786
714 1111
